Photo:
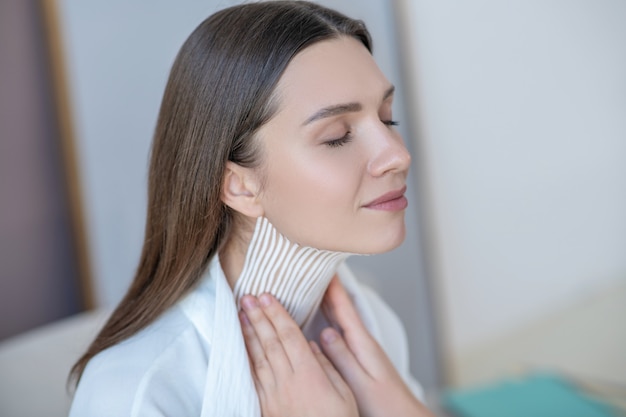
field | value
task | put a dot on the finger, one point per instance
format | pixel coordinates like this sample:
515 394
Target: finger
289 333
269 341
330 371
261 370
338 305
342 358
356 337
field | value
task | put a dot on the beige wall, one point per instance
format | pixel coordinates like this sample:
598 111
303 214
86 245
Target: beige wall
522 140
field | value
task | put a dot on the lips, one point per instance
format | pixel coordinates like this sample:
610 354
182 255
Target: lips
393 200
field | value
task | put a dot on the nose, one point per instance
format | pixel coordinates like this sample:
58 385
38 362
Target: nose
388 152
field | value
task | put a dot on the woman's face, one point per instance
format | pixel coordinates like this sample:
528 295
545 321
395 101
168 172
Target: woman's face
334 167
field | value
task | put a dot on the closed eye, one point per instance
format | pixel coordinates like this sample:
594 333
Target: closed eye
335 143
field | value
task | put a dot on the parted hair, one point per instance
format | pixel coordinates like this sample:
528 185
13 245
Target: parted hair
220 91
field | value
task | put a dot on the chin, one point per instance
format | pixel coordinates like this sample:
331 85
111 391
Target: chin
386 241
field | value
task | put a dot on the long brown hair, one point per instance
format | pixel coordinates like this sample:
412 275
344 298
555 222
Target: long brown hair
219 93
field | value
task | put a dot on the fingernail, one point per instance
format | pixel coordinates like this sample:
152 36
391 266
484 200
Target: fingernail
249 302
265 300
329 335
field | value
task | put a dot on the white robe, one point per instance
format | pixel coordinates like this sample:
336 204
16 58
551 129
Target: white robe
192 361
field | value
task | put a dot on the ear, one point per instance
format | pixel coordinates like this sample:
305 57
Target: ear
240 190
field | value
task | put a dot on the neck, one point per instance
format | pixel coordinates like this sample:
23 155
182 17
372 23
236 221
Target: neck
296 275
232 256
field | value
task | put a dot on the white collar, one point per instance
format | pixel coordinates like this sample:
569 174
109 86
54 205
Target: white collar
296 275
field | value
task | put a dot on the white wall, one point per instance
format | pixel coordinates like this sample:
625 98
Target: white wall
522 146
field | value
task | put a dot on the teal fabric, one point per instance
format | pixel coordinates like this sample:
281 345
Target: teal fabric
542 395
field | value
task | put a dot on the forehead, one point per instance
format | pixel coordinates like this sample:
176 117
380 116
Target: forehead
330 72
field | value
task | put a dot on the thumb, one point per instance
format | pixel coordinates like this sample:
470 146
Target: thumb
339 308
342 358
356 338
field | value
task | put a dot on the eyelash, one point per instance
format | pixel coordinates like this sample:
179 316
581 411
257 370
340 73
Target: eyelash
335 143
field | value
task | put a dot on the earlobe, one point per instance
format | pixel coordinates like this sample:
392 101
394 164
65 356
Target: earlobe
240 190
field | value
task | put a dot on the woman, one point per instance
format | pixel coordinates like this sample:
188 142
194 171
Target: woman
274 158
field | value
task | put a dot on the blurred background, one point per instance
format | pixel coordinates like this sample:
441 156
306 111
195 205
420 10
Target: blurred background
513 275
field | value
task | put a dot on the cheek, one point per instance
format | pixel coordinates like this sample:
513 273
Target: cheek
307 198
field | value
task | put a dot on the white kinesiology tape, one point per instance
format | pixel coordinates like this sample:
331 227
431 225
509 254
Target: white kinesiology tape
296 275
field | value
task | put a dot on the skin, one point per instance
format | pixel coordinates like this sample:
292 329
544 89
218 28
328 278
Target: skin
291 377
309 174
289 383
375 382
330 150
323 158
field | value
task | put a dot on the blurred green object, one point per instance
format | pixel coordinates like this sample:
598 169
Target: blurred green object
539 395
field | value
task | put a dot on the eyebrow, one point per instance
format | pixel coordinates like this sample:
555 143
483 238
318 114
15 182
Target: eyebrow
338 109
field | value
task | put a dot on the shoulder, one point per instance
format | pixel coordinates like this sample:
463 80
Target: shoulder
159 371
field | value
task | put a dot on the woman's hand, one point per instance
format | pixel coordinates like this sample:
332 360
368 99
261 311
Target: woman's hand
377 386
292 377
